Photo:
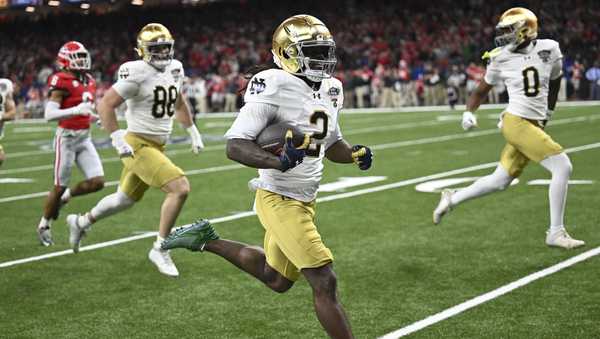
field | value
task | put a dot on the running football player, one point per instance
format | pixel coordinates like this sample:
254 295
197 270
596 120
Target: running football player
71 102
7 109
303 93
151 88
531 69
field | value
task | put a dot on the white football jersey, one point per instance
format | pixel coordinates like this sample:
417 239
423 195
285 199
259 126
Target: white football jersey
526 74
275 96
6 90
150 95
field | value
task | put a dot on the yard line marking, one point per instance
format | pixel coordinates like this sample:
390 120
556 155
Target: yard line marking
352 131
404 143
246 214
452 311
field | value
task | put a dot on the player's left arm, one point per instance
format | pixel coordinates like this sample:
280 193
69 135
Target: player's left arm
554 86
342 152
183 114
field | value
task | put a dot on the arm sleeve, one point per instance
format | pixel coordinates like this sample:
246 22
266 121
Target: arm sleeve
334 137
129 81
253 118
53 111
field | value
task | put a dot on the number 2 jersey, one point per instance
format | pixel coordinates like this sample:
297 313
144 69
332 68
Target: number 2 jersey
526 74
150 95
274 96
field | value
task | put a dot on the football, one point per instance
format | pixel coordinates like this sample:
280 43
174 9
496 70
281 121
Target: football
272 138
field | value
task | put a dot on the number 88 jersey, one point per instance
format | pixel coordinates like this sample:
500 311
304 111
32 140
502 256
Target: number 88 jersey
150 95
526 74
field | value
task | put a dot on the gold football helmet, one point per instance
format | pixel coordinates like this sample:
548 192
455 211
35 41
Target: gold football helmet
303 45
155 45
515 26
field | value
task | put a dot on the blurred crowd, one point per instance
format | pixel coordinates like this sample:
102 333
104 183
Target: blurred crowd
390 53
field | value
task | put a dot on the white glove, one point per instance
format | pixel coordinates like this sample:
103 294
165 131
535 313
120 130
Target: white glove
197 144
469 121
84 108
118 141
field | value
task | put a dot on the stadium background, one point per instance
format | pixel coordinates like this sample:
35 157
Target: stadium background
391 53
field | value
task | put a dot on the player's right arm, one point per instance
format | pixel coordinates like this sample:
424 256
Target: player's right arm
469 121
53 111
253 118
10 107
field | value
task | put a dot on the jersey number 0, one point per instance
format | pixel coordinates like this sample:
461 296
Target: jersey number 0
164 101
531 81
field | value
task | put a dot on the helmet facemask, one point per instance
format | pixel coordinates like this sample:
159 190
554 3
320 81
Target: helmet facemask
315 58
158 54
80 61
511 35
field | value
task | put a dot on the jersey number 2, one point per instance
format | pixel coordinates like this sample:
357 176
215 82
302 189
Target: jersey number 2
531 81
314 119
164 101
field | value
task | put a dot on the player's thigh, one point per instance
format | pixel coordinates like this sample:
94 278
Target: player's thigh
150 164
132 185
277 260
2 155
291 225
528 138
513 161
64 158
88 160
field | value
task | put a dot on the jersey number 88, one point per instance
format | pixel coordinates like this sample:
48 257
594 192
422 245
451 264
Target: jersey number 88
164 101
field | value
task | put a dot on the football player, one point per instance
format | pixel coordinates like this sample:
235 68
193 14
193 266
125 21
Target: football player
71 103
303 93
151 89
7 109
531 69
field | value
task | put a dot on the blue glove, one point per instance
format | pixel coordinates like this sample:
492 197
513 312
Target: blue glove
362 156
292 156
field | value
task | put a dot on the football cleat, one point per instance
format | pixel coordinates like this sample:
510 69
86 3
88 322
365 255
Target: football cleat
45 236
76 232
193 237
562 239
162 260
444 206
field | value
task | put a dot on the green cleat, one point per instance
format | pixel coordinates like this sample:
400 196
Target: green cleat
193 237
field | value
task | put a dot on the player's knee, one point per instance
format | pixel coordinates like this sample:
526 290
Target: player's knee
123 200
326 284
180 187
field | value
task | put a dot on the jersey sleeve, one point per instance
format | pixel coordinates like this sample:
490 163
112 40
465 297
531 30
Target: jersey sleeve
253 118
58 82
334 137
492 73
129 80
263 88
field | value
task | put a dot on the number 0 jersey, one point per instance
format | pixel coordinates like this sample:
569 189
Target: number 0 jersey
276 96
150 95
526 74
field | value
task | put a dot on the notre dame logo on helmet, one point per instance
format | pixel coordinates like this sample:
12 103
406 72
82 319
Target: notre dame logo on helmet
257 86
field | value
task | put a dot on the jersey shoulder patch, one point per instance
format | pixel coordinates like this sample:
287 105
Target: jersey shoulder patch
135 71
264 87
548 50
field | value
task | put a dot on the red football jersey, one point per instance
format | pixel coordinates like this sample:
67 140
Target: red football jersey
77 92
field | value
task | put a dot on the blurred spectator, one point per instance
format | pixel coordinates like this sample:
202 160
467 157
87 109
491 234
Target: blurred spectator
593 76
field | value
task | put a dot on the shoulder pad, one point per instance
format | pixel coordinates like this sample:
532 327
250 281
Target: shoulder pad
264 86
133 71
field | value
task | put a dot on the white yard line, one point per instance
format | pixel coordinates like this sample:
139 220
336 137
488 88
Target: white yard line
452 311
246 214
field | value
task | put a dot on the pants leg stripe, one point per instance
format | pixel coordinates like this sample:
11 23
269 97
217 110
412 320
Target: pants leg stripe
57 161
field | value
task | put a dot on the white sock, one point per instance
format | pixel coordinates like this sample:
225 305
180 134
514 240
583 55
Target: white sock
560 167
66 195
45 223
498 180
110 204
85 221
158 242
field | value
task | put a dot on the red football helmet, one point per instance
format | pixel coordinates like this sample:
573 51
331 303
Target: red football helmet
74 56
